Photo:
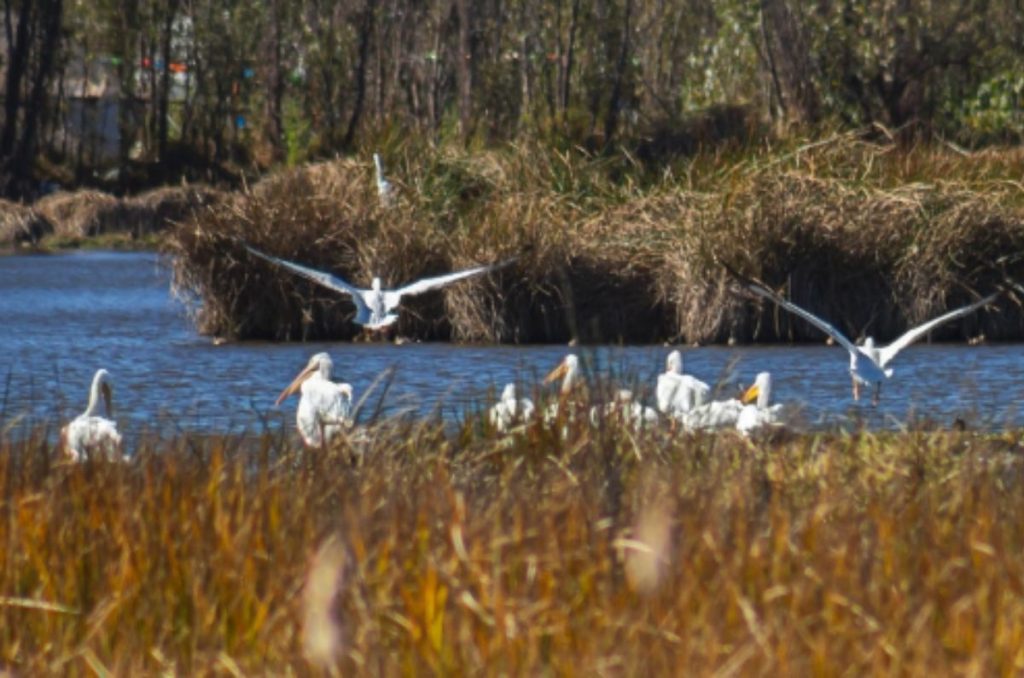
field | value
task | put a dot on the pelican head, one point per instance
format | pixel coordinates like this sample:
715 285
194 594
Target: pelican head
674 363
567 371
508 394
760 391
375 284
319 363
869 343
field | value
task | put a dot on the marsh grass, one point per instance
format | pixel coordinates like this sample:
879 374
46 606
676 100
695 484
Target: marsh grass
603 551
874 236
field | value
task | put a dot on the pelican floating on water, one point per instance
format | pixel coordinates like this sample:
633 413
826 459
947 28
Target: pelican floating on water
677 392
385 191
869 364
758 410
324 406
89 434
374 306
568 370
510 410
626 408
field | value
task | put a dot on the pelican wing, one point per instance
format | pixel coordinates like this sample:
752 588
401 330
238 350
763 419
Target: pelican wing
331 282
427 284
822 325
887 353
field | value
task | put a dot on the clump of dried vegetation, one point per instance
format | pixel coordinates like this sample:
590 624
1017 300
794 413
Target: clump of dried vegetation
459 553
75 216
870 235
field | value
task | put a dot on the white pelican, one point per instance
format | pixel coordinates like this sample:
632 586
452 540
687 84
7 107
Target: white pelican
713 415
569 372
510 410
374 306
678 392
626 408
758 410
869 363
385 191
324 407
89 433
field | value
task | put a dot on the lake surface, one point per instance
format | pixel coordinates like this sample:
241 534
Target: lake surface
63 316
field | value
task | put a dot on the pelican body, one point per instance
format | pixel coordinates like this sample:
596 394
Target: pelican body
677 392
758 410
375 306
324 406
510 410
869 364
89 434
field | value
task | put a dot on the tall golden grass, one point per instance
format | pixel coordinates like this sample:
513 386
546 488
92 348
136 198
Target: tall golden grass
604 552
870 235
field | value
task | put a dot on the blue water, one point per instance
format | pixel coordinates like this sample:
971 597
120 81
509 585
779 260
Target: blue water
63 316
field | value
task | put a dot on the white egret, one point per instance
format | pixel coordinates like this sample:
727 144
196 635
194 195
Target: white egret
385 191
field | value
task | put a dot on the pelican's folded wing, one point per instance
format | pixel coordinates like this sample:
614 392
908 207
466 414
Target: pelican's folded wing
887 353
427 284
329 281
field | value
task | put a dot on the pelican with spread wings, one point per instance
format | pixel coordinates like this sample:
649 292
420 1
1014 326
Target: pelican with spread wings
375 307
869 364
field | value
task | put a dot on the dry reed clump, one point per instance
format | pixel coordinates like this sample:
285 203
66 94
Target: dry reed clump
879 553
851 231
160 209
21 224
80 214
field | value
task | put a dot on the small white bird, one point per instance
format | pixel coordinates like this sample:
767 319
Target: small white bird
375 306
90 435
677 392
385 191
758 410
324 406
869 364
510 410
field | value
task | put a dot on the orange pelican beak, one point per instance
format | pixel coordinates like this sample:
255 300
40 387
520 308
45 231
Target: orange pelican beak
557 373
296 383
750 395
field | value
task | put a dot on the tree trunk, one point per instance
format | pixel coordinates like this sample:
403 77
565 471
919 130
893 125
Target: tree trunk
366 22
790 61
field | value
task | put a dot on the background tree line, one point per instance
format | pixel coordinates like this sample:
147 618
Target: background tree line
243 84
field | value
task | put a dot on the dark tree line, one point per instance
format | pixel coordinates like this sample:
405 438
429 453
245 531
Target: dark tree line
264 83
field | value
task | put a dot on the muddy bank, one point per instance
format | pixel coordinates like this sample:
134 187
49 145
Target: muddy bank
601 263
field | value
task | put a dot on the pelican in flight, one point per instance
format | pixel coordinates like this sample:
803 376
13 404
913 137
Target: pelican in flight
677 392
869 364
375 306
89 433
758 410
324 406
510 410
385 191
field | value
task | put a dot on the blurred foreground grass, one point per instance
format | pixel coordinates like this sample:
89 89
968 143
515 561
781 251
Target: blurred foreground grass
608 552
